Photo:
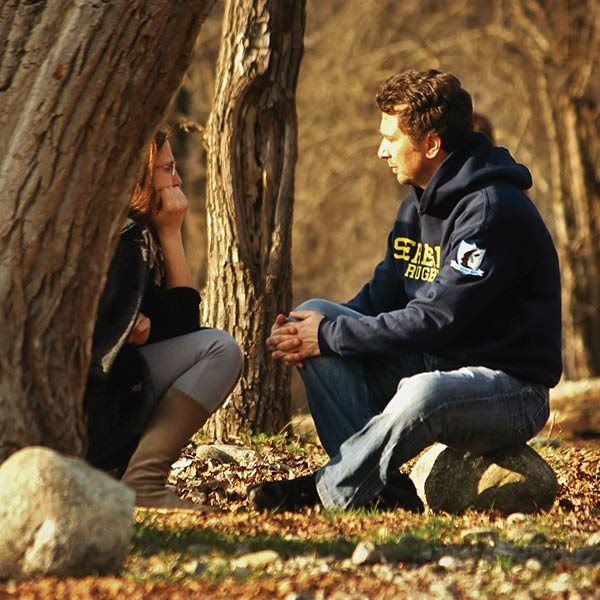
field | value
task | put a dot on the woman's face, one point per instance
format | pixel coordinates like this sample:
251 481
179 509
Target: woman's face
165 170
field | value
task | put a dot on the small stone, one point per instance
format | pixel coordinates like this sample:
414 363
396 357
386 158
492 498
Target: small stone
365 553
515 518
506 587
226 454
561 584
256 560
181 464
487 536
594 539
190 567
298 596
449 563
323 567
534 565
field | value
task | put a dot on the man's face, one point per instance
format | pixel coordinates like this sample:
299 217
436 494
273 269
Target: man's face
409 160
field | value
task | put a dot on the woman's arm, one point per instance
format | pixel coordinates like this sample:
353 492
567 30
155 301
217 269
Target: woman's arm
168 221
173 309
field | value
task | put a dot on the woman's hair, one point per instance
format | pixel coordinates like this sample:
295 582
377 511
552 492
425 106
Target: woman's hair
428 102
483 124
143 200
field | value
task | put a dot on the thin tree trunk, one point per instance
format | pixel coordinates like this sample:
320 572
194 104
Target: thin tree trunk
577 234
82 87
559 50
581 347
252 147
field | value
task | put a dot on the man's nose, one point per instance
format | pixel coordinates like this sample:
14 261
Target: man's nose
383 151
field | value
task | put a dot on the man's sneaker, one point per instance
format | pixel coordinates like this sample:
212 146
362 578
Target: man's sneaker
284 495
400 492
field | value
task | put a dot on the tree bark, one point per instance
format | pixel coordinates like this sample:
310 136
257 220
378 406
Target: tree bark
252 148
580 252
83 86
560 51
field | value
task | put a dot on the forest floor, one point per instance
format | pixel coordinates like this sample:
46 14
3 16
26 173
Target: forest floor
318 554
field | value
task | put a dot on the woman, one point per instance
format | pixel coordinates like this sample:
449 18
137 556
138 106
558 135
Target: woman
156 376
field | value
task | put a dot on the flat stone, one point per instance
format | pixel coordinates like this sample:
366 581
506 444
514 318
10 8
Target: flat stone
226 454
255 560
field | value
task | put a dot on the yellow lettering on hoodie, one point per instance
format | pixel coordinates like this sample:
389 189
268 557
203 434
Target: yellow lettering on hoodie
403 247
423 259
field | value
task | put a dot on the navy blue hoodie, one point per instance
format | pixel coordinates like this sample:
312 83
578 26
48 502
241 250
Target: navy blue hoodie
470 275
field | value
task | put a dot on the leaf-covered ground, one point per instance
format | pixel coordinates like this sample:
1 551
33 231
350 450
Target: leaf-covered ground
318 554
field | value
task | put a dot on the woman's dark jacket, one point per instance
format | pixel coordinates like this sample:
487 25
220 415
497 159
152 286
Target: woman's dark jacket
119 398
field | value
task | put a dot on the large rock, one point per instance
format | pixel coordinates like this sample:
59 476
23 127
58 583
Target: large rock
512 480
59 516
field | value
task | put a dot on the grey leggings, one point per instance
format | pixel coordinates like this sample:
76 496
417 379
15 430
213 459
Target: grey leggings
205 365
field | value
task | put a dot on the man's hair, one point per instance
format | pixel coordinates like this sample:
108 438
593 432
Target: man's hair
428 102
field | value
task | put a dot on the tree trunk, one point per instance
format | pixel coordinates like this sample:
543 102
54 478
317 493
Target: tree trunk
83 85
559 50
580 250
252 148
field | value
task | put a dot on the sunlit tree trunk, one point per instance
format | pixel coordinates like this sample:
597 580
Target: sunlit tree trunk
83 85
577 235
559 51
251 137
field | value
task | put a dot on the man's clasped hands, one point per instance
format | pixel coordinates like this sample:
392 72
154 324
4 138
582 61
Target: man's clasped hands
294 339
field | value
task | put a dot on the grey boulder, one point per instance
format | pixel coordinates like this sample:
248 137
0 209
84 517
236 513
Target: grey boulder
59 516
511 480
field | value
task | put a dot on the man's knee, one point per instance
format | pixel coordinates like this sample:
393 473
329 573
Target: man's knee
420 393
317 304
327 308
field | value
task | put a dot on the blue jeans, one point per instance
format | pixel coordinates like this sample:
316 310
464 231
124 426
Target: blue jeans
372 414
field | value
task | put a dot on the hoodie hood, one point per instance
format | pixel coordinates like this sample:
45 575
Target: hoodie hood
472 166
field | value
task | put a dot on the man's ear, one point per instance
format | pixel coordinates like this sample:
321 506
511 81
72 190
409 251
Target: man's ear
434 145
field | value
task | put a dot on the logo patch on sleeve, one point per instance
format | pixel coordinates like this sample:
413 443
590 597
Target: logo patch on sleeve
468 259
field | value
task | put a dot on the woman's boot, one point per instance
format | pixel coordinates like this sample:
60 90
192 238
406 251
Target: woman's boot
178 416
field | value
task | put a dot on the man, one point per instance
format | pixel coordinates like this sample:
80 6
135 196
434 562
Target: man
456 338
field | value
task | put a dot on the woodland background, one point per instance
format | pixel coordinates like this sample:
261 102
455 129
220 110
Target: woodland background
82 87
